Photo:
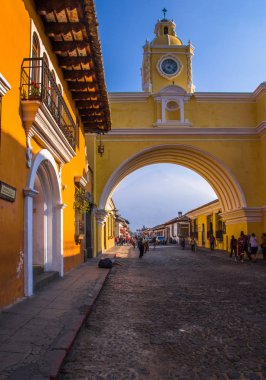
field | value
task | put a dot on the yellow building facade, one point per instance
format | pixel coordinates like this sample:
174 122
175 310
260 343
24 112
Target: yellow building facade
52 92
221 136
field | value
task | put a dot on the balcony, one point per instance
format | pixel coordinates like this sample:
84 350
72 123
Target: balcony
44 111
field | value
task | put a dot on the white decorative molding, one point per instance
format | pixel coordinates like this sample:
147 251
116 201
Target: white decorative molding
39 122
171 124
260 90
243 215
169 94
28 192
81 181
146 68
4 85
100 215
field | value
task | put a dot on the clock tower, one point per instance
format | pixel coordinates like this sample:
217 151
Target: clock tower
166 60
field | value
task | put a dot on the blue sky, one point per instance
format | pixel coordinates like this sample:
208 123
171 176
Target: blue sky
230 56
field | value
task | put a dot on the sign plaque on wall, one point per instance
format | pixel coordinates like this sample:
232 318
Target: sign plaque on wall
7 192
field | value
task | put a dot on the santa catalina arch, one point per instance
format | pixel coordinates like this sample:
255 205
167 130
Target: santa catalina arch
221 136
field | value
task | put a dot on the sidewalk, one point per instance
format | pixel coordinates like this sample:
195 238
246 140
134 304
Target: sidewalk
37 332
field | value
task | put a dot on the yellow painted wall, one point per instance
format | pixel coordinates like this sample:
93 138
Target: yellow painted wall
12 152
242 154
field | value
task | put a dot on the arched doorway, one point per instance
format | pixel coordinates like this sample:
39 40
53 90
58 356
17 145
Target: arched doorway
43 219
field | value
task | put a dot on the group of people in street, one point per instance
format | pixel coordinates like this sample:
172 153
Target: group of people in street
248 245
192 243
239 247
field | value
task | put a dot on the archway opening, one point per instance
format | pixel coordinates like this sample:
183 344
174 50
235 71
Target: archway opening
156 193
230 196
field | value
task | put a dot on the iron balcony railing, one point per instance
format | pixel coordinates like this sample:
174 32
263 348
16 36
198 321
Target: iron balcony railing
38 83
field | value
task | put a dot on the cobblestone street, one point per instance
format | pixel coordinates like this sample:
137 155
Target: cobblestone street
175 315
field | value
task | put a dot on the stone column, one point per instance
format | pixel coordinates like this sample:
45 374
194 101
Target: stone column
100 215
29 194
60 209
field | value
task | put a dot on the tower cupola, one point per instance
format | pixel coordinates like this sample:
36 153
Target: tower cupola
165 33
166 60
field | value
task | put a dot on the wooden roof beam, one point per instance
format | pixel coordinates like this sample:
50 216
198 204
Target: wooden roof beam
87 103
48 6
84 95
74 61
79 86
55 28
69 46
77 74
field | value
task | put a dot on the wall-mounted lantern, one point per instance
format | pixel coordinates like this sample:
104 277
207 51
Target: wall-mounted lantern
100 147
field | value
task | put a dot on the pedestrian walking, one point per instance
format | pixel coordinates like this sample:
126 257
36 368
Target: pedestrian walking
193 245
263 245
146 244
233 247
183 242
154 242
253 246
212 242
133 242
242 246
140 247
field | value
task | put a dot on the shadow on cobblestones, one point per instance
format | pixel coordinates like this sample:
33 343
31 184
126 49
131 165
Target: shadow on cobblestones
175 315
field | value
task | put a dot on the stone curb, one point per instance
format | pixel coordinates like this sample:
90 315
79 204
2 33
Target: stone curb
54 358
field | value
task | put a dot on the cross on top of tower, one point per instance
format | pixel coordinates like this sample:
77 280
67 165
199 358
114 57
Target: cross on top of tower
164 12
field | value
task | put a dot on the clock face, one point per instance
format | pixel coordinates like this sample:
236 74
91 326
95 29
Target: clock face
169 66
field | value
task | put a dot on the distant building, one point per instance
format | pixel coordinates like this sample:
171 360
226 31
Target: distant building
122 229
207 220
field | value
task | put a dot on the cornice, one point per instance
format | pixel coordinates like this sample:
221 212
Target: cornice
238 97
4 85
221 97
205 209
260 90
177 128
244 215
121 97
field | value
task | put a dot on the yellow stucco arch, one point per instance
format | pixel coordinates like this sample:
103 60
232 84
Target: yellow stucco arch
212 169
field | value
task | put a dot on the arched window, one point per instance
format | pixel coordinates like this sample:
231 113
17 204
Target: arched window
35 46
165 30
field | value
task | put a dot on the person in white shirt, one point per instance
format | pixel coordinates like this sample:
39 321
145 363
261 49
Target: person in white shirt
253 246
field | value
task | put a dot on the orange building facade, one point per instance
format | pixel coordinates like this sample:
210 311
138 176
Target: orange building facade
52 92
